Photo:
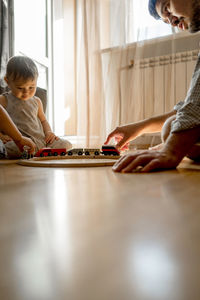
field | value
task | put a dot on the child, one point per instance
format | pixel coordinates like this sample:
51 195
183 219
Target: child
25 109
8 127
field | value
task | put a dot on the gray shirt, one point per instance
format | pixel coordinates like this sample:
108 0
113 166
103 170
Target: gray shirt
188 111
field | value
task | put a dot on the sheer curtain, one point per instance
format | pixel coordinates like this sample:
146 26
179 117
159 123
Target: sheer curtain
6 42
120 66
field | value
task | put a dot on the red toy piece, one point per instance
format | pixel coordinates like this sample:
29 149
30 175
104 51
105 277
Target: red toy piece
110 150
50 152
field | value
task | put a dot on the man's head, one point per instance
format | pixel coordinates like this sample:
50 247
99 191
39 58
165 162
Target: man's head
181 13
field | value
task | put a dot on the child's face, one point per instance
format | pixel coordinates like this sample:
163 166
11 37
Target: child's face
21 88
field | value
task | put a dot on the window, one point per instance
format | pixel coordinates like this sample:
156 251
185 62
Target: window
131 22
144 25
32 37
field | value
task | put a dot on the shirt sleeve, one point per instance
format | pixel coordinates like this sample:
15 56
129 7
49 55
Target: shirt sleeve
188 112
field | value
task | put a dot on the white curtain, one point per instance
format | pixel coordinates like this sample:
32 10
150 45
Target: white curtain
113 67
6 43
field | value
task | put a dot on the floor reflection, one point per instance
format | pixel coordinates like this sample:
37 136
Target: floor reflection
153 270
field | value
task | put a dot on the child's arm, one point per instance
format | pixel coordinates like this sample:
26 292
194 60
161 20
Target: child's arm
3 101
49 135
7 126
5 138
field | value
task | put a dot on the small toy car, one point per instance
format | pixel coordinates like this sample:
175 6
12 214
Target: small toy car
75 151
90 151
110 150
25 153
50 152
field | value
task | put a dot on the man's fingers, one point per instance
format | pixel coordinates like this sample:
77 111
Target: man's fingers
130 163
139 161
109 137
122 143
152 165
114 134
122 162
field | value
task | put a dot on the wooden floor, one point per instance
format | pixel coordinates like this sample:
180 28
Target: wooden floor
91 234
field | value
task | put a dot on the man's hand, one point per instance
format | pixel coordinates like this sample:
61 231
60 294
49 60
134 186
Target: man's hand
50 137
146 161
175 148
124 134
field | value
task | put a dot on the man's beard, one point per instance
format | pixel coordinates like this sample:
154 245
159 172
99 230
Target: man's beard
195 21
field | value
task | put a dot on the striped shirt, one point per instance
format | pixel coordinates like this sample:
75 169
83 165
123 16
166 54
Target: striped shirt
188 111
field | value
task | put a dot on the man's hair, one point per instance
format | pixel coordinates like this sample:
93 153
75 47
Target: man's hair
152 9
21 67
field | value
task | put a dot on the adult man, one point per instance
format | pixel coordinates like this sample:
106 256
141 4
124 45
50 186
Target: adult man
181 128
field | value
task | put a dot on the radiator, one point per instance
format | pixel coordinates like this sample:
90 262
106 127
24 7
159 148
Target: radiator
157 84
138 89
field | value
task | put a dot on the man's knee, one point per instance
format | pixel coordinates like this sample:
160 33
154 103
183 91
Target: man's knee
167 128
194 152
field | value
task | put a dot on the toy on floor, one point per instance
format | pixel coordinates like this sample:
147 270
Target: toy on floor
50 152
110 150
93 152
84 151
25 153
106 150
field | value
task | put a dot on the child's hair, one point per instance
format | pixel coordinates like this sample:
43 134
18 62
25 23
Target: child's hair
21 67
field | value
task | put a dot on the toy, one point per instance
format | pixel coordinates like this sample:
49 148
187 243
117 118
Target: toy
74 152
85 151
50 152
25 153
94 151
110 150
106 150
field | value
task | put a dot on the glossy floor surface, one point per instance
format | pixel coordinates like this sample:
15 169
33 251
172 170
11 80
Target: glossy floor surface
91 234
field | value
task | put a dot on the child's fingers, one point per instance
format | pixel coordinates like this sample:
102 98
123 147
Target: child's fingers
48 139
51 138
6 138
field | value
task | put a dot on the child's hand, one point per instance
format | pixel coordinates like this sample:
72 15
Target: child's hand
26 142
50 137
5 138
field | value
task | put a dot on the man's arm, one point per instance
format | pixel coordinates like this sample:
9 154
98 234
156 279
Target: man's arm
124 134
175 148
